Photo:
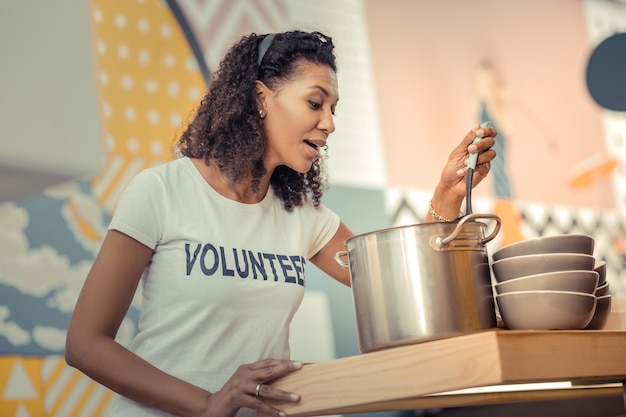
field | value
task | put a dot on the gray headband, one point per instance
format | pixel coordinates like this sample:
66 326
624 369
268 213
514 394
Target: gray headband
264 46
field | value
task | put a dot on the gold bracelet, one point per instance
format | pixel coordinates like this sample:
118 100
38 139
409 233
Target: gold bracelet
436 215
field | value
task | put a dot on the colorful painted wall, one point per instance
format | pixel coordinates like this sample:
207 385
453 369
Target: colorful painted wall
414 76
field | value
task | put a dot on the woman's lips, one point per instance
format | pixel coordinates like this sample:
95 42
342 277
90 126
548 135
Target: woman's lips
313 149
314 146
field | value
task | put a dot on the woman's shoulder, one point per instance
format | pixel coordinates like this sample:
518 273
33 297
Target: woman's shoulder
158 177
166 171
309 209
171 167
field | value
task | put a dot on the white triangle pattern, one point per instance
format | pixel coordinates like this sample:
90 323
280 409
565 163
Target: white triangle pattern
19 385
22 411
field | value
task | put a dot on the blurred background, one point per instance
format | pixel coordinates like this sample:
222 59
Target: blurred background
93 92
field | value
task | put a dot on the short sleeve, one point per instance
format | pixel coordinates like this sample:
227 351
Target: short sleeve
323 227
140 211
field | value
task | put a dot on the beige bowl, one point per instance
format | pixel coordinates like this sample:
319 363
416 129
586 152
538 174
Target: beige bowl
574 243
575 281
601 314
600 268
521 266
546 310
602 290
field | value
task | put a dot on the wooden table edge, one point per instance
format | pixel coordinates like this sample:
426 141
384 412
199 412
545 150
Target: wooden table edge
445 400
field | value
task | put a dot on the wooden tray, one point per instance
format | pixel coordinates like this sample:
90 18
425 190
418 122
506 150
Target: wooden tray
427 374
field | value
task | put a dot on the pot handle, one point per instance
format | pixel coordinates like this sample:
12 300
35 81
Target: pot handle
340 261
444 241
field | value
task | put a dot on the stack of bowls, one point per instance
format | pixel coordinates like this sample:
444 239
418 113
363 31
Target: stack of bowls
551 282
603 298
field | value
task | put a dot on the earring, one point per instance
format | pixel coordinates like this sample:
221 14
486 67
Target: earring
262 113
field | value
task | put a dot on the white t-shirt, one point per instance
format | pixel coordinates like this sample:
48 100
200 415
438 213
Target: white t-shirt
225 278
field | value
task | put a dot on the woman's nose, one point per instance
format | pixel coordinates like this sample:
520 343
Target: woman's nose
327 123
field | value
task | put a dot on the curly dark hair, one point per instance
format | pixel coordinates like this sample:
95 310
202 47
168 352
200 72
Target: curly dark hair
227 127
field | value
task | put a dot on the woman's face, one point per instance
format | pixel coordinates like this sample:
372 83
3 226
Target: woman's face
299 117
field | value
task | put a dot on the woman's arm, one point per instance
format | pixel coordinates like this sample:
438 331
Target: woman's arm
101 307
325 258
91 346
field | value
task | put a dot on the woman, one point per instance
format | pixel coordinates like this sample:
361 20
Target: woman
222 236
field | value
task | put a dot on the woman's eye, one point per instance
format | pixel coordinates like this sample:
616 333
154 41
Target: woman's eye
315 105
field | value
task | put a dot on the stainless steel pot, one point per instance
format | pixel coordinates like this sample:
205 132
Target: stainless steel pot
421 282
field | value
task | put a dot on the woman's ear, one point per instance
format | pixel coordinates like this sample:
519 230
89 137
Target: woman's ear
261 91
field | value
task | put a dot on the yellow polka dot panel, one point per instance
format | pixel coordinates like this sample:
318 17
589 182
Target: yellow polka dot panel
147 76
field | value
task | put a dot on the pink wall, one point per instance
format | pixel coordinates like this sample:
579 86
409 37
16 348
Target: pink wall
425 55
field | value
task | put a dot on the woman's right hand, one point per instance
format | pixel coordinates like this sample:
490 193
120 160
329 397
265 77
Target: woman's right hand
248 388
453 173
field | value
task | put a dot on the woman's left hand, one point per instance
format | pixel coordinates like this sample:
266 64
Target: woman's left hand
453 175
